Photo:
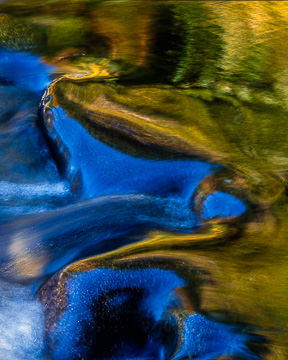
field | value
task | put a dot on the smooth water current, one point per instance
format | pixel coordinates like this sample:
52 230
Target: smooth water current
143 180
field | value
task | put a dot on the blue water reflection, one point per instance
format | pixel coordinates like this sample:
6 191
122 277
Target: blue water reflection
93 168
29 180
138 314
43 243
221 204
119 194
205 340
24 71
101 170
106 171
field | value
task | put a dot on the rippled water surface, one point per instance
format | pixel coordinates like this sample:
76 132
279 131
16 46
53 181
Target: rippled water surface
143 180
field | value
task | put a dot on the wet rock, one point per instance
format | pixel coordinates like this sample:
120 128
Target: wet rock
95 166
133 310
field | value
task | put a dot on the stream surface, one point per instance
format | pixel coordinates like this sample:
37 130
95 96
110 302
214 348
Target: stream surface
143 180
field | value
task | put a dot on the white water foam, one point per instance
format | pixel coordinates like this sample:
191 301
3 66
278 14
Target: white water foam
21 323
9 190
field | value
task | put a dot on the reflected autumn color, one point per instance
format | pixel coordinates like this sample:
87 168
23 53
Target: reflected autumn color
143 179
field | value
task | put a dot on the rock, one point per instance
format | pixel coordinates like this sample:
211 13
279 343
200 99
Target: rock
133 310
106 148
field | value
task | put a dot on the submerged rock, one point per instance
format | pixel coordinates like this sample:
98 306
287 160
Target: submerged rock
133 310
95 168
105 148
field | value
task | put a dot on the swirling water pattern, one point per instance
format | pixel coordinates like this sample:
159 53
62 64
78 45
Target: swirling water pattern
143 315
48 239
97 176
38 240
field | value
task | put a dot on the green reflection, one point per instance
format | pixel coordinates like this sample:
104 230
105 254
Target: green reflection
240 134
197 43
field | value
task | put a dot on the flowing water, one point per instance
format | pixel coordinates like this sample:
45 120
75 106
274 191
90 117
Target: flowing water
143 179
